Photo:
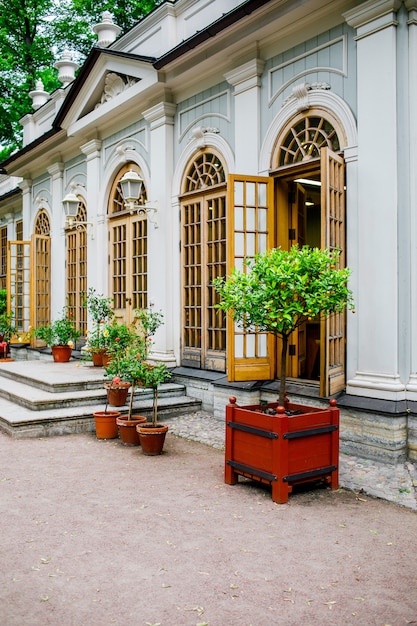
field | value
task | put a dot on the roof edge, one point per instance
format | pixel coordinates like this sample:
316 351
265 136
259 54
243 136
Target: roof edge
213 29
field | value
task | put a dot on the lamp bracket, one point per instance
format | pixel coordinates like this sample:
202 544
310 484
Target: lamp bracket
144 208
72 222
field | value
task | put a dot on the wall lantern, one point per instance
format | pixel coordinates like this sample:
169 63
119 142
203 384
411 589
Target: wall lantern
71 204
131 186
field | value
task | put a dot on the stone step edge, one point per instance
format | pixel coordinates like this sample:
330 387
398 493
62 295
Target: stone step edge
39 400
19 415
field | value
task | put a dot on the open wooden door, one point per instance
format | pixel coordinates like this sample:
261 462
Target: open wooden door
19 287
251 355
332 375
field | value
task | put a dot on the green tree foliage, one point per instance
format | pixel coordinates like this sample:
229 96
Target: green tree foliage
280 290
33 35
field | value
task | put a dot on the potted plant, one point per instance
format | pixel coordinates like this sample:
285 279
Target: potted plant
7 330
100 311
60 335
105 421
278 292
152 434
118 338
132 365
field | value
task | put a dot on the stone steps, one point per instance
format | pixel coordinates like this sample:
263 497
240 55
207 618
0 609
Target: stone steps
40 398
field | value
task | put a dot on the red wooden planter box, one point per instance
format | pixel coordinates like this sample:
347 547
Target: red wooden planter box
282 450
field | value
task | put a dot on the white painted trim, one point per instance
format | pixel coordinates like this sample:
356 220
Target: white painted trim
208 139
114 163
316 98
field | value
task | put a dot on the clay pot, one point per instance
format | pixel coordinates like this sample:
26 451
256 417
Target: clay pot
97 358
106 426
152 438
106 358
61 354
117 394
127 429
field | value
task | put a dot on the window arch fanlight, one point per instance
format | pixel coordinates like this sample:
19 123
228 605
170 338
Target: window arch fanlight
116 204
205 170
42 224
303 137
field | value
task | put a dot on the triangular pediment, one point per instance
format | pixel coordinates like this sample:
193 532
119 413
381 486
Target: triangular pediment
105 78
111 85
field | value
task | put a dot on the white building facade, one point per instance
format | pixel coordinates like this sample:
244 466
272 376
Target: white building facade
252 124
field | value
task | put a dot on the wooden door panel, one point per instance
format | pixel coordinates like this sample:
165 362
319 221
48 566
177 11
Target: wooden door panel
128 265
251 355
332 366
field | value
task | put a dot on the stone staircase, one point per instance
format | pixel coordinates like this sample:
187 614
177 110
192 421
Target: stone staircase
40 398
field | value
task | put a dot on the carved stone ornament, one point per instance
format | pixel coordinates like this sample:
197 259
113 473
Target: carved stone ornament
300 93
115 84
199 132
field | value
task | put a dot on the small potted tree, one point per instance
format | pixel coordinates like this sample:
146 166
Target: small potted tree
278 292
60 335
133 366
99 309
152 434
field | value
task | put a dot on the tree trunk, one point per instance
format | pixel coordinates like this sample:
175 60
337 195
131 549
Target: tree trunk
283 377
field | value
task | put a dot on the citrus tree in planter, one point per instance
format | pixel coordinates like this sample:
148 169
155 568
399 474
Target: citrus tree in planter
283 289
278 291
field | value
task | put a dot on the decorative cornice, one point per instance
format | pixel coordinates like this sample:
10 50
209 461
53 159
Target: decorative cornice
161 114
25 184
373 16
246 76
56 169
92 148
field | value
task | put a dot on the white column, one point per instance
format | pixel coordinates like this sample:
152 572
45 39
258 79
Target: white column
377 281
57 240
411 5
26 187
161 252
246 81
97 267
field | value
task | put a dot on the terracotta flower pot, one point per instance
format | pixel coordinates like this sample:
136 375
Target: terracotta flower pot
152 438
61 354
106 426
127 429
106 358
117 394
97 358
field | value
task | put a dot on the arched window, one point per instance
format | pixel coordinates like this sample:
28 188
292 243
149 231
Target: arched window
203 250
42 269
305 137
128 258
42 224
76 270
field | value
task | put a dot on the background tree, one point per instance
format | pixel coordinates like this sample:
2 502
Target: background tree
33 35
